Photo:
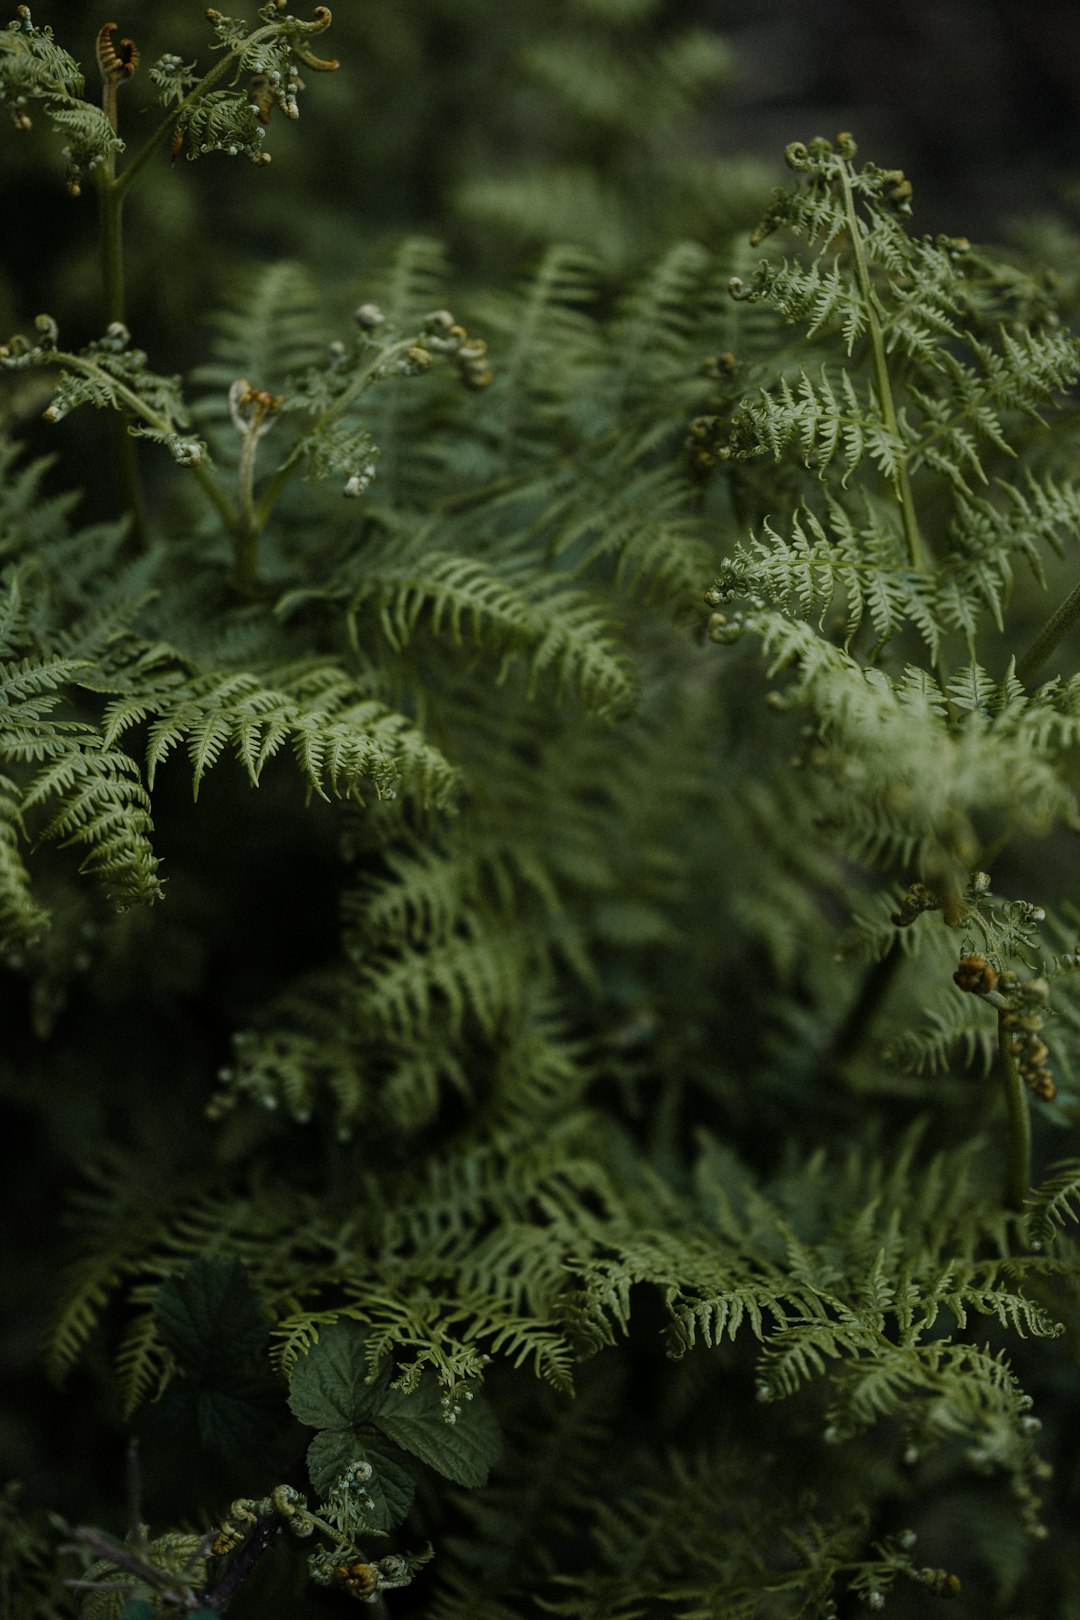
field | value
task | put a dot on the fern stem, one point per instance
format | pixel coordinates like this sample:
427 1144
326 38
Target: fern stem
113 299
902 483
138 407
220 70
111 246
1053 631
1018 1122
262 1537
110 210
246 529
850 1034
291 465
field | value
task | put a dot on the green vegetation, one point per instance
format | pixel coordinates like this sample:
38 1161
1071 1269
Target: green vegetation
535 815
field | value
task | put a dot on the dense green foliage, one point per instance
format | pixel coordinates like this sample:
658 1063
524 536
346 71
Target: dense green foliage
534 875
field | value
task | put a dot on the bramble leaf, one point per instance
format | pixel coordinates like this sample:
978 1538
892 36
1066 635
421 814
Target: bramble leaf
391 1486
463 1450
330 1387
211 1315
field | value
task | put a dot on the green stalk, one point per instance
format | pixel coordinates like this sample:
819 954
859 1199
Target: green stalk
246 530
905 497
243 525
221 70
291 465
1053 631
110 215
902 484
850 1034
1018 1122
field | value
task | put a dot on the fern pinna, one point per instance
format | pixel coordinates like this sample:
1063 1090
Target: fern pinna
533 1124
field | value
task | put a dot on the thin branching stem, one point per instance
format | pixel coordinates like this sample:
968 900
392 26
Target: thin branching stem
221 70
905 496
1018 1133
1050 636
294 461
902 482
852 1032
111 247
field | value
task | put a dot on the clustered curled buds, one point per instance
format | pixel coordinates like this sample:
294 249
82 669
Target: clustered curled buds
243 1516
900 189
360 1580
469 355
116 60
1022 1006
941 1582
269 90
718 627
976 976
917 900
1024 1020
252 409
705 446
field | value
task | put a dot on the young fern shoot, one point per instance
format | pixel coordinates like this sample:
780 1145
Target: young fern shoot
906 490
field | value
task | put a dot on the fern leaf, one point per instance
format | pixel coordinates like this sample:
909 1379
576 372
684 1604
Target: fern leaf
21 918
143 1364
104 808
1054 1203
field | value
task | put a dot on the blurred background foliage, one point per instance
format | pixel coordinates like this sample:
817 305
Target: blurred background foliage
618 124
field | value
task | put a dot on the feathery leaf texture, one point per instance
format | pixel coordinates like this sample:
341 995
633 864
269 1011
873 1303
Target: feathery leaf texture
487 1145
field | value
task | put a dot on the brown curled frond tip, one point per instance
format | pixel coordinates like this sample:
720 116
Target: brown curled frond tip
115 61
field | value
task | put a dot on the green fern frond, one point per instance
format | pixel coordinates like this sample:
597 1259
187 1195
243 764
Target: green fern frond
412 283
33 64
544 328
1053 1203
601 83
269 331
480 976
104 808
567 638
29 515
143 1364
560 203
222 121
21 918
955 1031
341 738
824 419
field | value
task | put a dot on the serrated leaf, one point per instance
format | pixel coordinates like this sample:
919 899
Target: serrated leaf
231 1419
391 1486
211 1316
462 1451
329 1387
230 1424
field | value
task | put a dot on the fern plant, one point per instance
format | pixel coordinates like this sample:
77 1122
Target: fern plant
533 1127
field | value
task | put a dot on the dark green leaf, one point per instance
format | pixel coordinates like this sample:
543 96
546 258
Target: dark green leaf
463 1451
231 1424
329 1387
229 1421
211 1316
391 1487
